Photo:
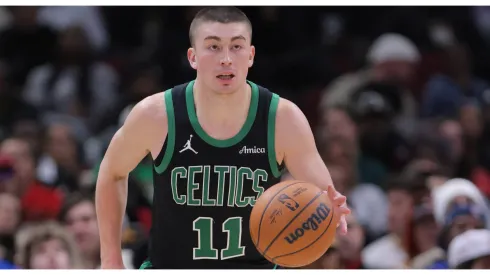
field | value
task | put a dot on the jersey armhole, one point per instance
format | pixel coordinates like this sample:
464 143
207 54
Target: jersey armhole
271 135
169 150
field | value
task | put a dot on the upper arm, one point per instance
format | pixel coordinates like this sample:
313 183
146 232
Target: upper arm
144 131
296 146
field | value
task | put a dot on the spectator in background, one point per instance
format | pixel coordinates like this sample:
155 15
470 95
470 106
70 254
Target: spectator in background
30 131
75 84
144 80
25 44
391 250
39 202
61 164
460 191
340 122
446 93
451 134
460 218
470 250
423 246
472 125
365 198
10 218
89 18
392 58
458 207
13 110
351 244
376 105
78 216
46 246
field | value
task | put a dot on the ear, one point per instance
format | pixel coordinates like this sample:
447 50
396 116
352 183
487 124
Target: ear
191 56
251 57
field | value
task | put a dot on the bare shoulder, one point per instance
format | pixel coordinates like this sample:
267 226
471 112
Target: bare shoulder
149 110
292 129
289 116
147 123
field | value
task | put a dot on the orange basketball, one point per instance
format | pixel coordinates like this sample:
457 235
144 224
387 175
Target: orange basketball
292 224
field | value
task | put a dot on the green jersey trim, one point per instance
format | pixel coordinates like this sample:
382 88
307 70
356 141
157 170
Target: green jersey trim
271 135
169 151
252 112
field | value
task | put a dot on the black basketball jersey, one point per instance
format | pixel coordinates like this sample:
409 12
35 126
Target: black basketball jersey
204 188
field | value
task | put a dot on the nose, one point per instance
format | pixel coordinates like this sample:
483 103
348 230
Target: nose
226 58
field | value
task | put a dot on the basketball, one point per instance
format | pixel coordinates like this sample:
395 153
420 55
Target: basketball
292 224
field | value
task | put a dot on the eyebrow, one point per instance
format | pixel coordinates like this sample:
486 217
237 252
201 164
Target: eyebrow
213 37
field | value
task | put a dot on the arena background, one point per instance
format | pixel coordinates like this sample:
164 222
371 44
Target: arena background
398 98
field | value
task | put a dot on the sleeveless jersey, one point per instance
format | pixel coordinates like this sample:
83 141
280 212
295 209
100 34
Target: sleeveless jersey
204 188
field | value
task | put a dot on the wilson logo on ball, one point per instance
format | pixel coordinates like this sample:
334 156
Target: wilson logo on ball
311 223
288 202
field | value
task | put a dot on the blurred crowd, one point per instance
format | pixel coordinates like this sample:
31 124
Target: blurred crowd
398 98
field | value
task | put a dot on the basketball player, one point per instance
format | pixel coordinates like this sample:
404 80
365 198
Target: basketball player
218 142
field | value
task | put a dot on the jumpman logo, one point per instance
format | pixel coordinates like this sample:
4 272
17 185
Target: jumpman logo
187 146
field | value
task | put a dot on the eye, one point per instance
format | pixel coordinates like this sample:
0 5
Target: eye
213 47
237 47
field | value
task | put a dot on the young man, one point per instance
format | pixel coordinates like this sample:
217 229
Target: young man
218 143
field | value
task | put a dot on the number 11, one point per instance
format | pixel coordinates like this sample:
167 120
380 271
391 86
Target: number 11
204 227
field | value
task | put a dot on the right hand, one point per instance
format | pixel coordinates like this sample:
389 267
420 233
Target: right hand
341 209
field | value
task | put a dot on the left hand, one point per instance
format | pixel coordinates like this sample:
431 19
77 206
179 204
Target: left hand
339 203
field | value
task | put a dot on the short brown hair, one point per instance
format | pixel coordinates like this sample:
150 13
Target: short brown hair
223 15
34 234
71 201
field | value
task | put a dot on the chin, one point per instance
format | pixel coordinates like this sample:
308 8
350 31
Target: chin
226 88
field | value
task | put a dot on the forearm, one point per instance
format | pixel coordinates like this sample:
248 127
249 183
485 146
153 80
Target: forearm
111 199
310 169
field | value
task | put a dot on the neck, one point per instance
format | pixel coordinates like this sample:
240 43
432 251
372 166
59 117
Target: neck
221 107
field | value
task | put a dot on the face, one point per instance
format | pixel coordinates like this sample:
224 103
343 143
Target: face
50 254
60 144
338 123
400 72
339 152
425 234
82 223
29 131
24 166
399 211
462 224
339 176
222 55
9 213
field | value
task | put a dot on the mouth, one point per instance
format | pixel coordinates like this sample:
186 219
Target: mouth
225 76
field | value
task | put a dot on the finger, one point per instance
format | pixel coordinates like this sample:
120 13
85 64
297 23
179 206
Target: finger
344 211
331 192
343 226
340 201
